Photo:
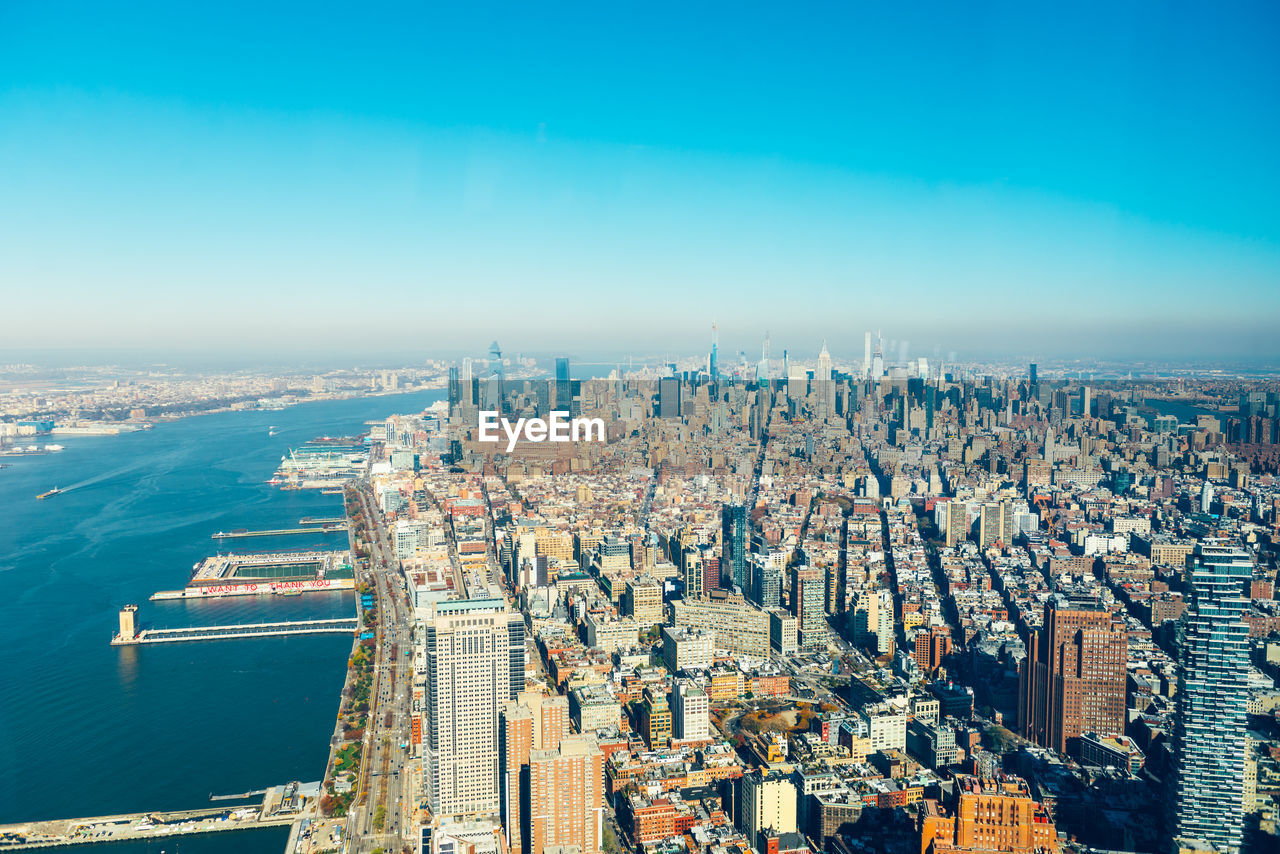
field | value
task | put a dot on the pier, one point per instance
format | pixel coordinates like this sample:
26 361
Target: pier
243 796
317 528
283 805
130 637
336 520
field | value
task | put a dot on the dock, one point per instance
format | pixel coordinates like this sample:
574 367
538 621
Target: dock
243 796
338 625
283 805
335 520
327 528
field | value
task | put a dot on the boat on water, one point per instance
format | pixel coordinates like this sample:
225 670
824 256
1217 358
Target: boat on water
271 431
42 496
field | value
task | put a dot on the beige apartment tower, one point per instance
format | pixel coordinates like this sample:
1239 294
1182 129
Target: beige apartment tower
566 797
468 663
531 722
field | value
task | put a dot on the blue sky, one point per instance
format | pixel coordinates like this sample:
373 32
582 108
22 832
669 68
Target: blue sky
1042 180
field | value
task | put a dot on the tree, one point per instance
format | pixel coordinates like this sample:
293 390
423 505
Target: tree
610 841
1002 740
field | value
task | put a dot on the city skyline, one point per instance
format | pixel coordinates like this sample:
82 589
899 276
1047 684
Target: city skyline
528 175
640 428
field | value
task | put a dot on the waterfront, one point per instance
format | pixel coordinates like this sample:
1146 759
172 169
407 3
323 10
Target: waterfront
95 730
1184 411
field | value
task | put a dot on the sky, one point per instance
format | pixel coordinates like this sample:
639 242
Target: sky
1091 180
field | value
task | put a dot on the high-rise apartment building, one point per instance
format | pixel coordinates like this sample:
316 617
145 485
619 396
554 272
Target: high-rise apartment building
468 681
764 581
872 617
532 721
767 801
566 797
995 523
1073 680
930 647
808 604
952 519
1210 720
690 712
691 572
655 718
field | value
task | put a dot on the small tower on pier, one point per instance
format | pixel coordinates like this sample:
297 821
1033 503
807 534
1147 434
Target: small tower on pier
128 623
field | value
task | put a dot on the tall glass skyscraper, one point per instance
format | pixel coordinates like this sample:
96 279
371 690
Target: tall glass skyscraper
564 393
1209 727
455 388
493 391
734 543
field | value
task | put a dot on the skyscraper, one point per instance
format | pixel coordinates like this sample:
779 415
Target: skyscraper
564 392
493 385
712 367
669 397
733 518
455 388
866 354
1210 718
1073 678
468 658
1206 498
823 373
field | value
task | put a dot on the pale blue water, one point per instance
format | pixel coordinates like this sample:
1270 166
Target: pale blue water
1185 412
89 729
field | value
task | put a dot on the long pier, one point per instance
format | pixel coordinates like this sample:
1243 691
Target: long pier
337 625
327 528
243 796
333 520
283 805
